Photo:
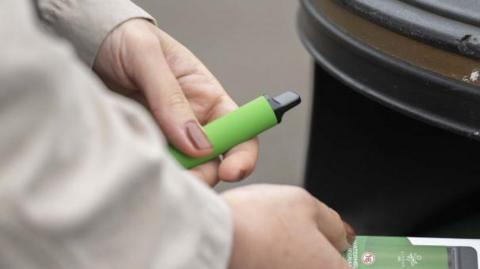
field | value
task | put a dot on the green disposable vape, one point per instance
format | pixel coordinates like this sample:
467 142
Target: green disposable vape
241 125
374 252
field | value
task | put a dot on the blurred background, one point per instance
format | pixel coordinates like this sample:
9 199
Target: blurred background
252 47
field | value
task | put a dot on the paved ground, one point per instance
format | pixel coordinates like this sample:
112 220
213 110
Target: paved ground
252 47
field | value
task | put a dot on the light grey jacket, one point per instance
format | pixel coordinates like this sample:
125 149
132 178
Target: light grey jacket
85 180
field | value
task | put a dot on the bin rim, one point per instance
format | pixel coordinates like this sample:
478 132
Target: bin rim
311 24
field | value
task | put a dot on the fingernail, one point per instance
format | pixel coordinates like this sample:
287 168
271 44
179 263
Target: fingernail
350 233
197 136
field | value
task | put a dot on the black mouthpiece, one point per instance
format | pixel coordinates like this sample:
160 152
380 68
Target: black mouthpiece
283 103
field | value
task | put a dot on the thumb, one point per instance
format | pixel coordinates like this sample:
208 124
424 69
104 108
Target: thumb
329 222
169 105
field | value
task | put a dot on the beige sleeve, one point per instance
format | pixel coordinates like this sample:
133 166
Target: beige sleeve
85 178
86 23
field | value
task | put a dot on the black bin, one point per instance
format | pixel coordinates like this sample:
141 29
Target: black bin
394 143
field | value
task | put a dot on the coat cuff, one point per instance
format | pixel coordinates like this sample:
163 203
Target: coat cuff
86 23
217 235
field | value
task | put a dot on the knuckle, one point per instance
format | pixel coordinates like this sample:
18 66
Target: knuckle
301 196
326 211
335 215
148 43
176 100
141 41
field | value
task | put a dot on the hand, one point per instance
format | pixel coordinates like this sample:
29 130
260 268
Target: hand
285 227
139 60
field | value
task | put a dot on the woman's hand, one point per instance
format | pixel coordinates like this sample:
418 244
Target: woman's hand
139 60
285 227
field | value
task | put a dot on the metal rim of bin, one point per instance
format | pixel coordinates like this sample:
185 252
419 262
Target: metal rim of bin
411 90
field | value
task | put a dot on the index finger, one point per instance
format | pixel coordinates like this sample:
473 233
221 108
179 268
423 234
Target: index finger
208 172
240 161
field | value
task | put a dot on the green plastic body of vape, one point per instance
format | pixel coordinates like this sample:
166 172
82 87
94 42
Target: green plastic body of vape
232 129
